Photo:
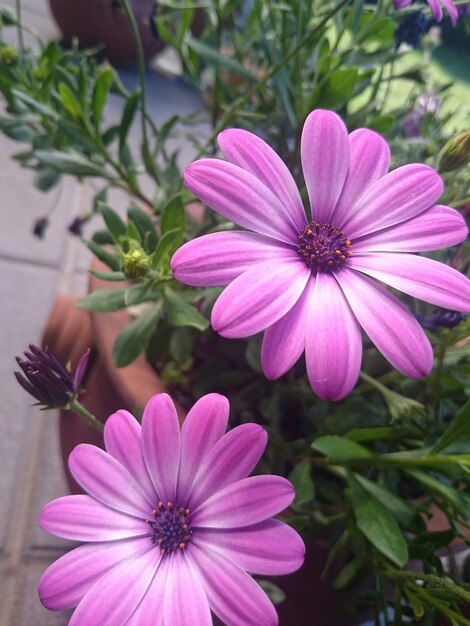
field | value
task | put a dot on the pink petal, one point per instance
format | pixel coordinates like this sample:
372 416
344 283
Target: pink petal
248 501
219 258
284 341
419 277
241 198
369 161
435 9
161 445
67 580
439 227
150 610
259 297
333 345
232 458
389 324
233 595
117 594
106 480
254 155
451 9
269 548
185 602
204 425
325 160
396 197
82 518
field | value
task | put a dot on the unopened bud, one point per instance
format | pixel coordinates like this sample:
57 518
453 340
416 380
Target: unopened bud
135 263
456 153
8 55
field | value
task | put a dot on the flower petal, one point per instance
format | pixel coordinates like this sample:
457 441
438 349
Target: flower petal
325 161
369 157
269 548
398 196
230 459
389 324
259 297
204 425
233 595
117 594
82 518
435 9
185 602
150 610
122 437
248 501
161 445
241 198
284 341
333 345
451 9
439 227
254 155
218 258
106 480
419 277
67 580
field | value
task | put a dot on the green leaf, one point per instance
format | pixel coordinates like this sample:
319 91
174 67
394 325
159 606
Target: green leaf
338 87
181 313
457 429
341 448
46 179
350 572
69 100
173 216
104 300
275 593
301 478
213 57
101 91
145 226
70 163
113 221
181 344
109 276
111 260
126 122
434 486
135 337
378 525
169 242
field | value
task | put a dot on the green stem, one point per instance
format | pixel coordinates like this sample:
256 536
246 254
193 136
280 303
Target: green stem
19 27
79 409
437 581
435 391
460 203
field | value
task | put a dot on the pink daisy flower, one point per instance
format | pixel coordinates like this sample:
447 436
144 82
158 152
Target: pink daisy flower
312 283
435 6
172 523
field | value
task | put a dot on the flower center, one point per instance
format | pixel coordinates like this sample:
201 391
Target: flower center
170 527
323 247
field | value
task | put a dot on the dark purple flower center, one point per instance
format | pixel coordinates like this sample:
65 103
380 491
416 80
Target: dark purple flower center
170 527
323 247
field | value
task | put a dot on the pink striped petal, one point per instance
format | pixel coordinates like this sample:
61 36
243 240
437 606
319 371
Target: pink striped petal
122 438
284 341
333 345
241 198
269 548
204 425
369 161
439 227
396 197
106 480
389 324
232 458
67 580
161 445
185 602
218 258
259 298
419 277
325 161
150 610
254 155
118 593
246 502
233 595
451 9
82 518
435 9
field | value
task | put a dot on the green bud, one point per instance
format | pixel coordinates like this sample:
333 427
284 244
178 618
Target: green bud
135 263
456 153
8 55
7 18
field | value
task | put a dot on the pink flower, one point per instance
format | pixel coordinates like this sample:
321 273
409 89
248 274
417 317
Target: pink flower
435 6
310 284
172 523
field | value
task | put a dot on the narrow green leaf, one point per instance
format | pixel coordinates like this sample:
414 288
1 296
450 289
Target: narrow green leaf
337 88
459 499
46 179
70 163
341 448
109 276
173 216
104 300
350 572
145 226
213 57
457 429
301 478
100 93
135 337
181 313
69 100
126 121
113 221
170 241
111 260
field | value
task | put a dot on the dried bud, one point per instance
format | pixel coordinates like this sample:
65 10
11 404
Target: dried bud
47 379
40 226
135 263
8 55
456 153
